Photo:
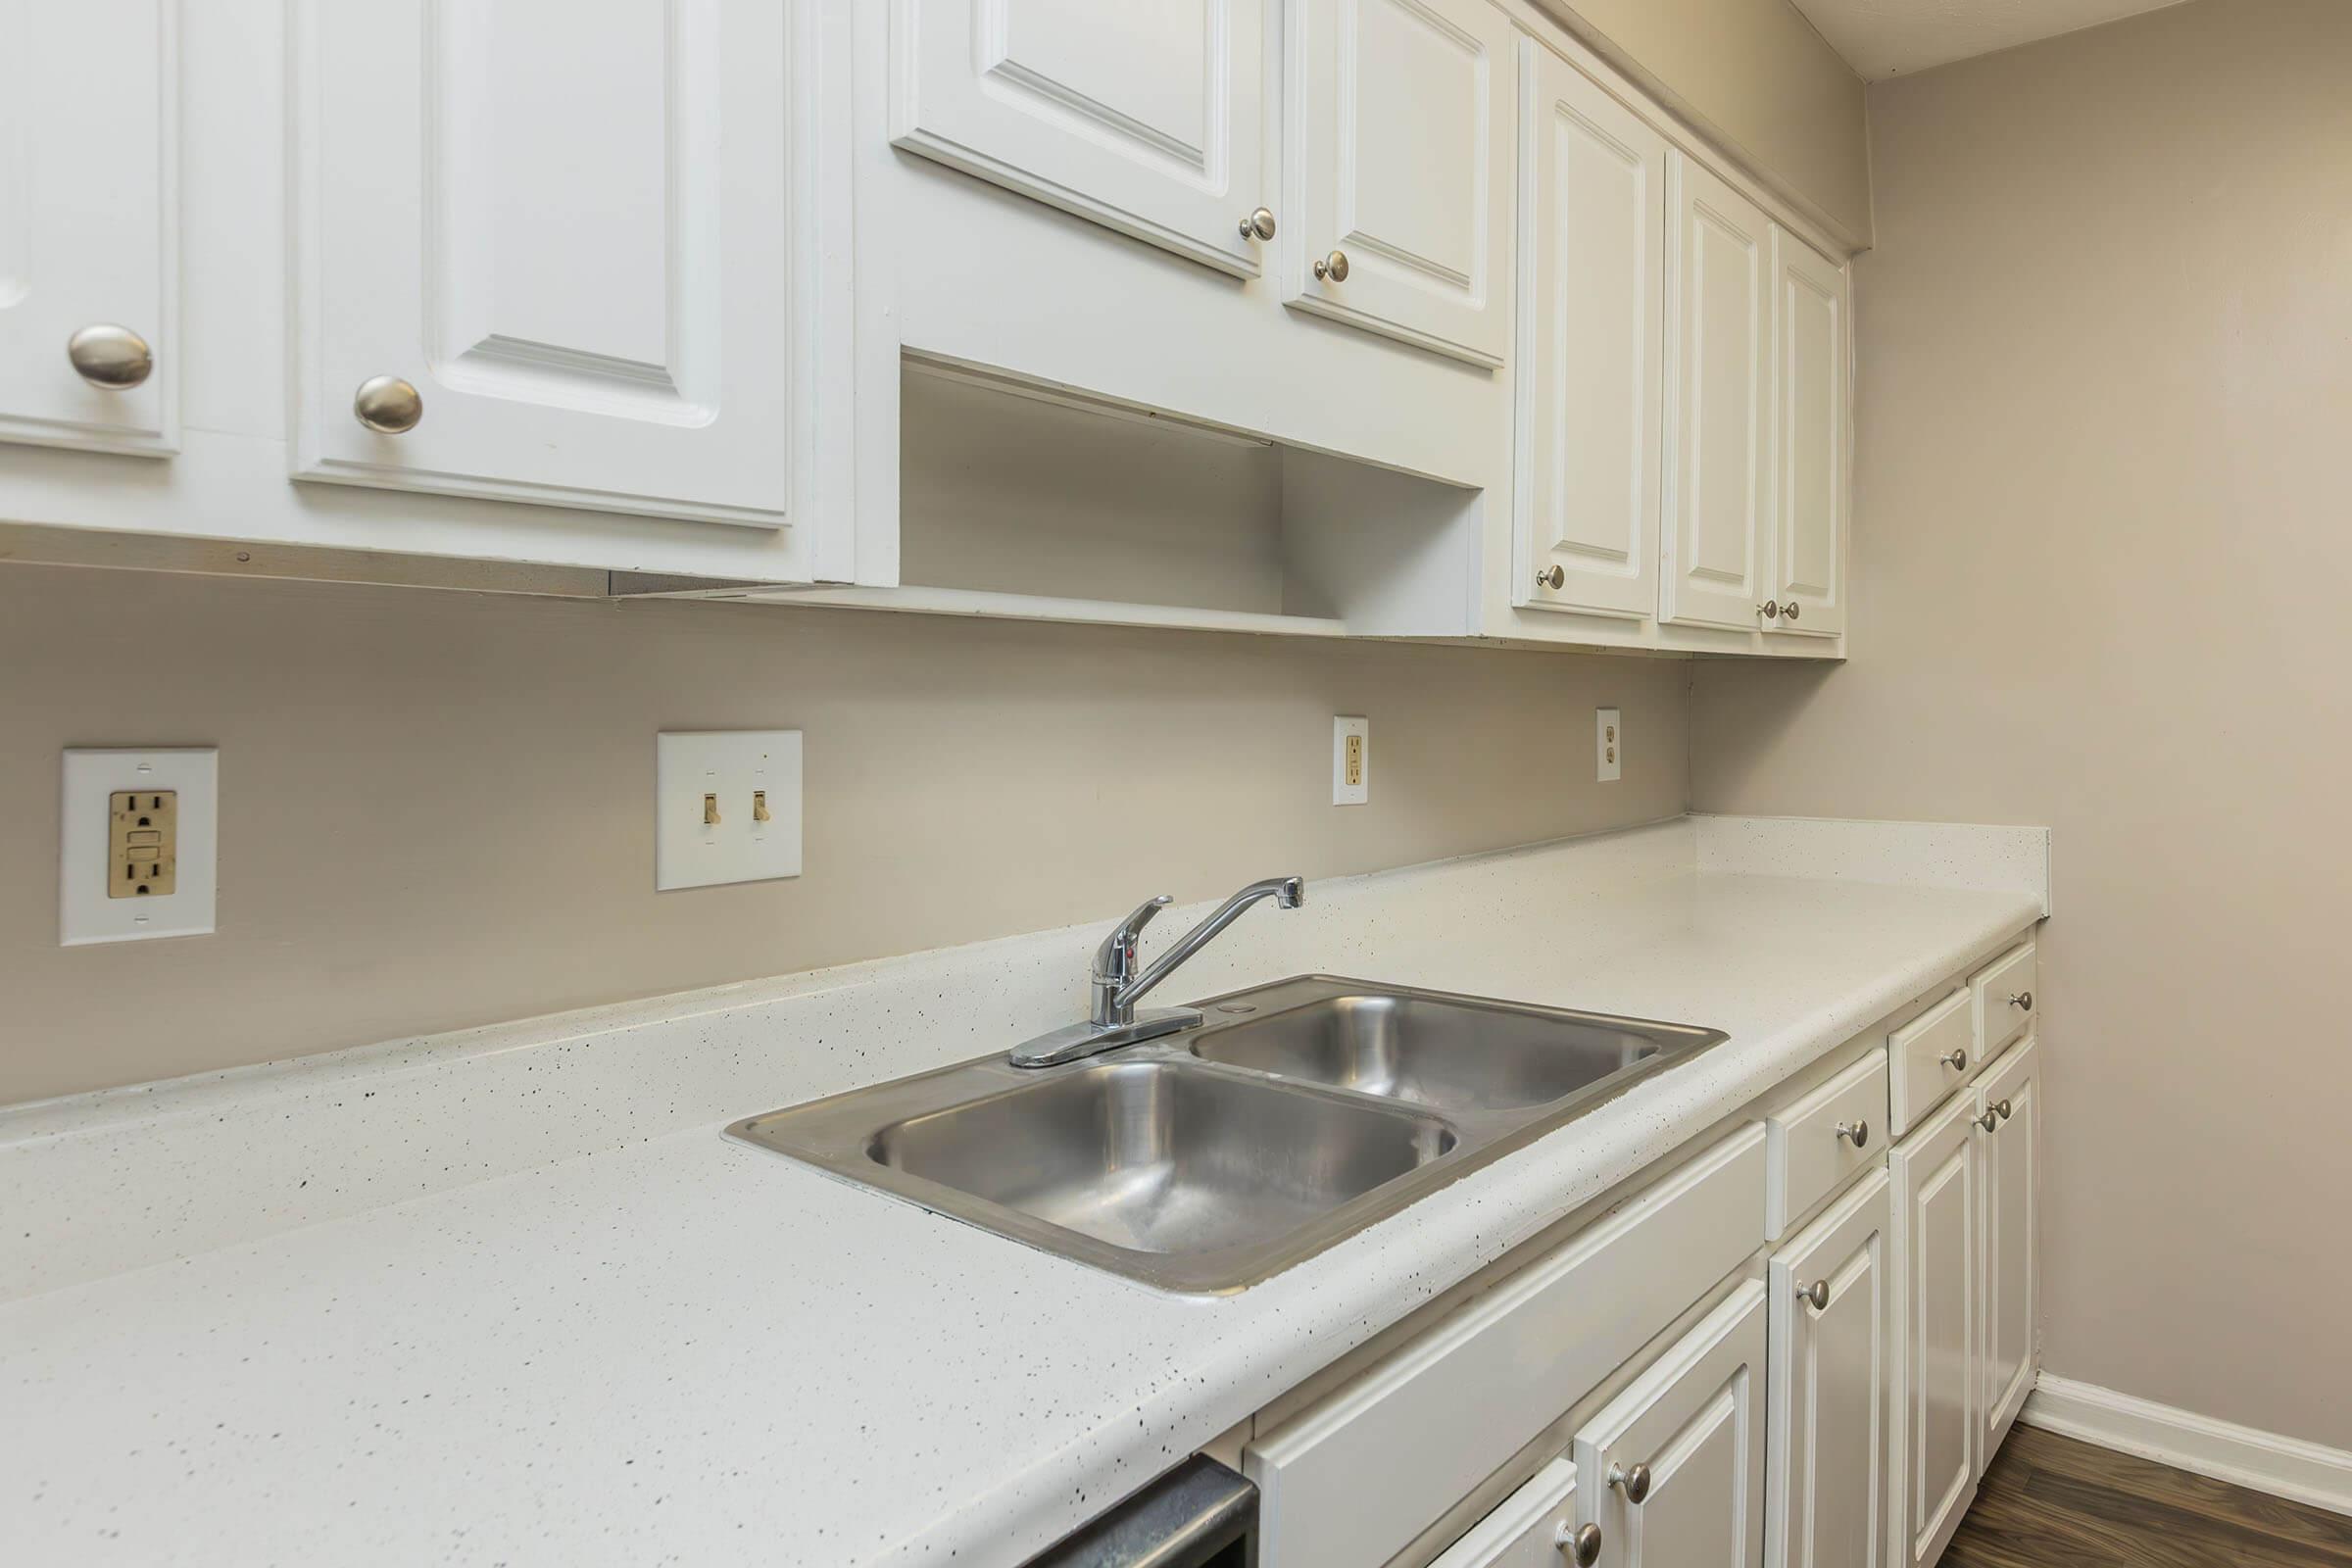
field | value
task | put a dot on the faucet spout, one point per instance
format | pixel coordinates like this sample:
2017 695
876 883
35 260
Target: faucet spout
1286 892
1115 984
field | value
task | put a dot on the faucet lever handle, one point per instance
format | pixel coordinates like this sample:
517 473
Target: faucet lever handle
1115 959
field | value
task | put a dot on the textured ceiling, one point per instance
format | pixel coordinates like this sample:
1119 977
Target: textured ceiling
1893 38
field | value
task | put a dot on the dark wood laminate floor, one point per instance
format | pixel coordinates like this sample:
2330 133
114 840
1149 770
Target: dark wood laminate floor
2051 1502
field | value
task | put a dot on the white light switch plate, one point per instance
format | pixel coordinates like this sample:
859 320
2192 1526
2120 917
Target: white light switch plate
84 912
730 767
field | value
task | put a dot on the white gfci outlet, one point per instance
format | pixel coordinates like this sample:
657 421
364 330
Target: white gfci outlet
1608 743
726 807
1350 761
130 812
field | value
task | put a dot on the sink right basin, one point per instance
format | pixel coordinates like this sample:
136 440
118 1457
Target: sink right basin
1447 1053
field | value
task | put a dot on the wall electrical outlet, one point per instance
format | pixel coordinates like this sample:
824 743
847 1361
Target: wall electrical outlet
726 807
1350 761
137 849
1608 743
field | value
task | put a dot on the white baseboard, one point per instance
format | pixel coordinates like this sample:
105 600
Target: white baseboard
2284 1467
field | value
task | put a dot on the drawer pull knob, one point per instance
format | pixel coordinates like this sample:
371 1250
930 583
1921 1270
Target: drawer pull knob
1789 610
1769 609
1857 1133
1990 1121
2003 1110
111 357
387 405
1957 1061
1551 577
1258 224
1332 268
1580 1546
1634 1483
2023 1000
1815 1294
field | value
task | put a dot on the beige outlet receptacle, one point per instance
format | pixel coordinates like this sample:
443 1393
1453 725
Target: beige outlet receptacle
1355 761
142 857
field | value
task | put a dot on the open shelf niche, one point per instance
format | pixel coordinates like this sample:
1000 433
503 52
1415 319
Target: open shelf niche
1032 503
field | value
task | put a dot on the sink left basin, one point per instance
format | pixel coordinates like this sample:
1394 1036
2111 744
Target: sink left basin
1151 1157
1178 1173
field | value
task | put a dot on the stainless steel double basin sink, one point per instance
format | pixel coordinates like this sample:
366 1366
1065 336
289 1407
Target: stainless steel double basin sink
1296 1114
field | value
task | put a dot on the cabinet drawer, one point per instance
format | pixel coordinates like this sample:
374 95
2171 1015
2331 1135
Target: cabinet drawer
1525 1530
1352 1480
2004 999
1807 1156
1930 1057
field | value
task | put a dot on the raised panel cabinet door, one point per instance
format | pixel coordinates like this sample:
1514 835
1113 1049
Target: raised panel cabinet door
1592 327
1533 1527
1673 1468
1832 1386
1934 1175
584 237
2009 1155
1718 507
1811 356
1147 119
1397 133
89 223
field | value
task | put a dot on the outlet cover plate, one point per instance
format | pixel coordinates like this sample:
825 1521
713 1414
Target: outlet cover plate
731 765
92 776
1608 746
1343 793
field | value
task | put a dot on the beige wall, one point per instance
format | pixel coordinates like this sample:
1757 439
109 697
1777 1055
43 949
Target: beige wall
2103 516
436 808
1756 75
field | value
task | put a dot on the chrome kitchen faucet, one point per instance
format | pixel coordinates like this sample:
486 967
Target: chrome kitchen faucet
1115 986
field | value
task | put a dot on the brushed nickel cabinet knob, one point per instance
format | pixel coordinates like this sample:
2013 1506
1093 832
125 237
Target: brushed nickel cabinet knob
1957 1061
1332 268
1816 1295
2003 1110
1990 1121
1551 577
1769 610
1258 224
2022 1000
1580 1546
1789 611
112 358
388 405
1634 1483
1857 1133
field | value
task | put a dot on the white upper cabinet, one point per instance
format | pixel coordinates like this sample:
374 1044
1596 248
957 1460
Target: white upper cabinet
1592 319
1397 119
1811 359
576 246
1147 119
88 225
1718 491
1674 1466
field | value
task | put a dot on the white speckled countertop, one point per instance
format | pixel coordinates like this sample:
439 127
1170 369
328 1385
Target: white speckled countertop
510 1297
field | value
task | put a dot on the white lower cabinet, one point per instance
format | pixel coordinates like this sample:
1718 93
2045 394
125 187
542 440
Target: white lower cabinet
1832 1378
1936 1208
1534 1528
1676 1460
2008 1135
